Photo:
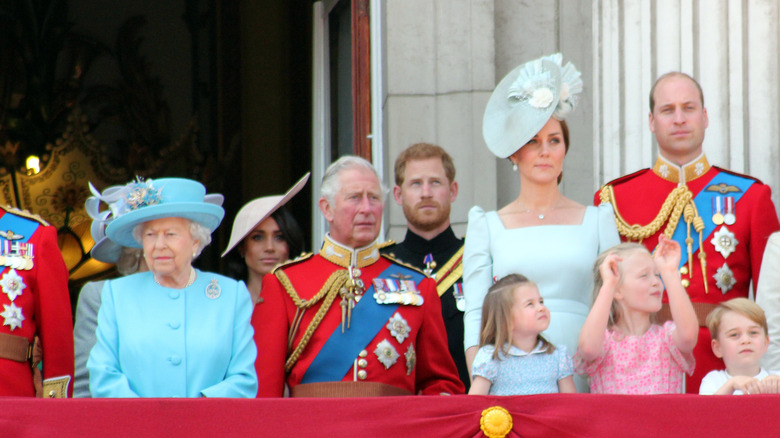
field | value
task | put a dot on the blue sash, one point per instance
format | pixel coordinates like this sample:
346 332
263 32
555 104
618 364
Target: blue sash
703 203
368 318
19 225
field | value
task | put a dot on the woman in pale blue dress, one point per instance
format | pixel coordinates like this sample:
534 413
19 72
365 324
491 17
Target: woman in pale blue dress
543 235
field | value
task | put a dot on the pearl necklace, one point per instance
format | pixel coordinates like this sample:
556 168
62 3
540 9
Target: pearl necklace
189 282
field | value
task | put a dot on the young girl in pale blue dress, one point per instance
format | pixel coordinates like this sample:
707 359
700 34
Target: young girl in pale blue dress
514 358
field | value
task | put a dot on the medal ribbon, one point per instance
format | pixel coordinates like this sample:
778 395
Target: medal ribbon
703 202
339 352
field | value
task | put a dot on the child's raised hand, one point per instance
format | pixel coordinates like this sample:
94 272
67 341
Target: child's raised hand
610 273
667 253
770 385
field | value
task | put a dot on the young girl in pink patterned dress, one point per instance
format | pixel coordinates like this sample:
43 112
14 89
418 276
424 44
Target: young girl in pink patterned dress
620 347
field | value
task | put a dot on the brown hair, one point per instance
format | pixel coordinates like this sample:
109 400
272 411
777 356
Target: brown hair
497 315
669 75
744 307
619 250
421 151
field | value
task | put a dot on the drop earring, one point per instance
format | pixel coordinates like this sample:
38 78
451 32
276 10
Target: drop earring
514 167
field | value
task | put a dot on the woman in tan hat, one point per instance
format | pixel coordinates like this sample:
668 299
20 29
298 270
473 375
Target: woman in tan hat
266 235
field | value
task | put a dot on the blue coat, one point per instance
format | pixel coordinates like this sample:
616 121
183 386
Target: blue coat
154 341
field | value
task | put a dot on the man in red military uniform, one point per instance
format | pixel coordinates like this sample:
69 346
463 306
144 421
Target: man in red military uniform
34 303
349 321
721 219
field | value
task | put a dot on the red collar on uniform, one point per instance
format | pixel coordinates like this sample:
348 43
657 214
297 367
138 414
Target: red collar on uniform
681 174
345 256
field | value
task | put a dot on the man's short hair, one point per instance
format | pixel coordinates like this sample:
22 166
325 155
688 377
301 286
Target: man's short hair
331 184
743 306
669 75
422 151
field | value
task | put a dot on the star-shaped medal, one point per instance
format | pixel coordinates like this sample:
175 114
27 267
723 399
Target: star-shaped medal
13 316
12 284
724 278
398 327
725 241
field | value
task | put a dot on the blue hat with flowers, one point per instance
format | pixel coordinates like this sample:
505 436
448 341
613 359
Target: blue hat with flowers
145 200
524 101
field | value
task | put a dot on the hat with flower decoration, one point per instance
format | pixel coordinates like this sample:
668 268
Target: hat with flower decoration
145 200
524 101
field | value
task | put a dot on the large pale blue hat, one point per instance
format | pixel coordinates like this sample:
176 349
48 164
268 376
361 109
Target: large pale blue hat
524 101
146 200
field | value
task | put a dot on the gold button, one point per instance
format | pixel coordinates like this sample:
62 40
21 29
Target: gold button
685 282
362 363
684 270
52 393
363 353
362 374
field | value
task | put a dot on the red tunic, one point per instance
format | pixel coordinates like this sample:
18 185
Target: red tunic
45 305
638 198
432 372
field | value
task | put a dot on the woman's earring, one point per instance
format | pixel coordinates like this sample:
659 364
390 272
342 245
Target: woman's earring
514 167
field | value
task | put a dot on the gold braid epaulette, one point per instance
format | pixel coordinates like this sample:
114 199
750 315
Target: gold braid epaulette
336 281
25 213
671 210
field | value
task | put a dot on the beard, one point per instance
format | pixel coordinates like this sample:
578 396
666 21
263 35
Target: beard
428 219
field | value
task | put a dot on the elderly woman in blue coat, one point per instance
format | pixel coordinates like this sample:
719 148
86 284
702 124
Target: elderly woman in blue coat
173 331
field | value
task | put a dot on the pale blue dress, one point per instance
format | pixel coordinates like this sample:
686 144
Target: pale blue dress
522 373
558 258
154 341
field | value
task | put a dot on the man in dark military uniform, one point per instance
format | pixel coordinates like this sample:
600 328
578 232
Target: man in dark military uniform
349 321
425 187
721 219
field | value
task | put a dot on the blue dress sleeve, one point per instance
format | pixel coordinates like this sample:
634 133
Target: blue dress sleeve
565 363
477 274
105 374
608 233
241 377
484 364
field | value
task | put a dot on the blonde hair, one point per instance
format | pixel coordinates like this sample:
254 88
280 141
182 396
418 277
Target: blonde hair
497 315
619 250
742 306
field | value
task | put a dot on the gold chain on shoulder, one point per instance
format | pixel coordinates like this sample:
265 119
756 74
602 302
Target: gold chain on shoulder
336 281
671 209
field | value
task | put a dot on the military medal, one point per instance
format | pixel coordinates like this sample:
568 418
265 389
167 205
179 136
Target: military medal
213 290
725 241
399 328
12 284
730 217
460 300
13 316
724 279
430 265
386 353
16 255
411 359
717 210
